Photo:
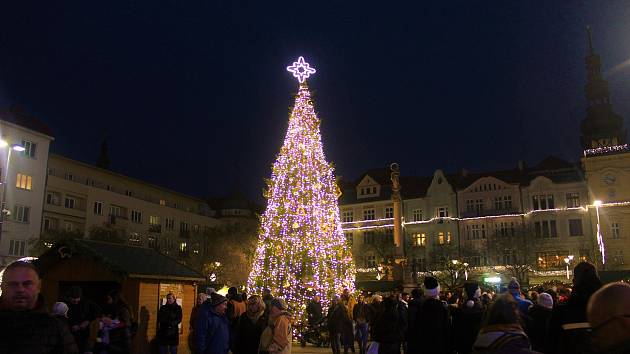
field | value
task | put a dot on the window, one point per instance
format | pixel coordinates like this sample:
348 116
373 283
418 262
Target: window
136 216
135 239
575 227
68 226
48 224
153 241
183 229
470 205
24 182
545 228
128 193
479 205
17 248
419 240
70 203
183 247
29 148
370 261
162 202
368 237
114 210
507 202
368 214
22 213
154 220
348 216
498 203
573 200
617 257
389 212
547 260
98 208
417 215
442 212
615 230
543 202
69 176
477 232
170 224
349 238
448 237
388 235
419 264
441 239
52 198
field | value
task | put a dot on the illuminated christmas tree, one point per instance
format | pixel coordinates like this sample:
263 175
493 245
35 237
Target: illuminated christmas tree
301 247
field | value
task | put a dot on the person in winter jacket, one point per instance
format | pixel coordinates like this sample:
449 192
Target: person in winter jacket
314 311
568 325
502 332
212 334
360 314
609 315
280 326
194 316
81 312
386 330
26 326
249 327
168 319
338 321
514 288
538 323
413 345
467 318
433 326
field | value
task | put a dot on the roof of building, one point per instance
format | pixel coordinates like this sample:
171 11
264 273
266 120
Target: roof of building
554 168
124 260
16 115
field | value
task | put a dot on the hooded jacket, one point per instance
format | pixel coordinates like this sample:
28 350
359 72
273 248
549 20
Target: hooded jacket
212 331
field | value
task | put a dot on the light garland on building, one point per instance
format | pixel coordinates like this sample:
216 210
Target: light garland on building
302 250
605 150
450 218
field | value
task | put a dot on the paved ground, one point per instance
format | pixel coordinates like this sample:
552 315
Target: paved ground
309 349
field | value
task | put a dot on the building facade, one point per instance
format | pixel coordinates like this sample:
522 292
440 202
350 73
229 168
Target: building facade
23 176
100 204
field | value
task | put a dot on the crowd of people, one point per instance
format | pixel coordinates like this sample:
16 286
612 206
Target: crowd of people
589 317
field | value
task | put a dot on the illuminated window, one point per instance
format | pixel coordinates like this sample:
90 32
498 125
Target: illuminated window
183 247
389 212
24 181
419 240
441 239
615 230
348 216
154 220
162 202
448 237
573 200
368 214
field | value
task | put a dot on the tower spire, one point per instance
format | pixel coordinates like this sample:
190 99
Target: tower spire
601 127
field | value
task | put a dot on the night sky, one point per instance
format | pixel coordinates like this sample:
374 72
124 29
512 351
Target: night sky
194 95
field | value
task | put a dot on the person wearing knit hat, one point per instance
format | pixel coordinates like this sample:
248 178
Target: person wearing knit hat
467 318
514 287
432 324
539 314
60 309
431 287
212 329
279 319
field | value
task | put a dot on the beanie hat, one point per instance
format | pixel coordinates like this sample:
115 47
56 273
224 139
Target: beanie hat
217 299
75 292
279 303
60 308
545 300
513 286
431 286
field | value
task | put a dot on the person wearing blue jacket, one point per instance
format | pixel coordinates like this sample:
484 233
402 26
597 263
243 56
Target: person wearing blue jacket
212 333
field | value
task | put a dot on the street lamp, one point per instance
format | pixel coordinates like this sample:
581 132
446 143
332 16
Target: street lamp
567 261
3 210
455 261
600 239
466 270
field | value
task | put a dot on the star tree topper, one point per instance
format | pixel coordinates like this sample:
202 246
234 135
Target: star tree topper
301 69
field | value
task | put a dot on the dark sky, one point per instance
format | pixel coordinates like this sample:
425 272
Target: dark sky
194 95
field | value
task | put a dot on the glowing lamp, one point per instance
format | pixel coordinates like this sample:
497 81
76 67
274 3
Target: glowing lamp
19 148
492 280
597 203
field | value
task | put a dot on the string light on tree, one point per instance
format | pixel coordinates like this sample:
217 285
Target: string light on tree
302 250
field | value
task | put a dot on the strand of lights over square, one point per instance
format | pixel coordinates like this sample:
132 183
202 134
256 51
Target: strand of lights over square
301 247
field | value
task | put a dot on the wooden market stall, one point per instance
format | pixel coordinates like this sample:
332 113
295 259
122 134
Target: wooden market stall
143 275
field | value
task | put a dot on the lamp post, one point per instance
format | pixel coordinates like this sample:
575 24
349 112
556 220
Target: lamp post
3 210
455 262
568 260
600 239
466 270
